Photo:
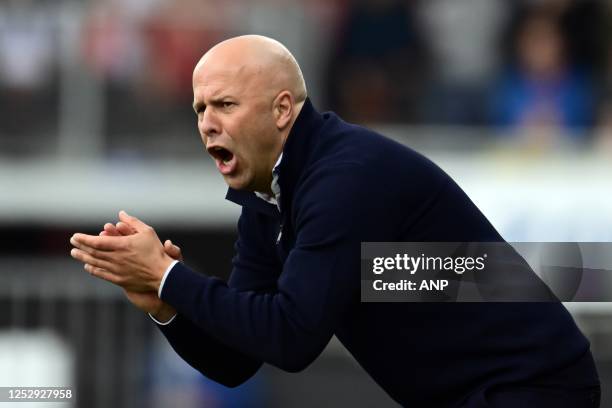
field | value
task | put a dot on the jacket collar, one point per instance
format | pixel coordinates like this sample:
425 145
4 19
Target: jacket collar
296 154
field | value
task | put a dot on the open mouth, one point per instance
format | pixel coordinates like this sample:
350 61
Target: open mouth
224 158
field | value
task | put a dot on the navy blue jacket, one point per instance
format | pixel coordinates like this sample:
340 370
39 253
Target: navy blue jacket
296 279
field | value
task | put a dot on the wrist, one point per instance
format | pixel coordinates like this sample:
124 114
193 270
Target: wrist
161 271
164 313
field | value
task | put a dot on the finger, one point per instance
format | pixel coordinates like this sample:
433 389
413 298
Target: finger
88 259
132 221
125 229
111 229
175 247
93 251
104 243
102 274
116 279
169 248
172 250
96 253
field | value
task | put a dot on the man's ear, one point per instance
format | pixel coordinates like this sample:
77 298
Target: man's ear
283 109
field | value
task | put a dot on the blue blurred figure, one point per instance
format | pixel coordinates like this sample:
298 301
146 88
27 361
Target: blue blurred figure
543 90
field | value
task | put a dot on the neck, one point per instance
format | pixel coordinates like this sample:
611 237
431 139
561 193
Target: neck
267 187
268 190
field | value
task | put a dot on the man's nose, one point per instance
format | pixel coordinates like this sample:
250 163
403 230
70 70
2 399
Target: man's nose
208 124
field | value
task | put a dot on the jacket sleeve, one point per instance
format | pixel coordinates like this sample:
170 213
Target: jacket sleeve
289 326
210 357
254 269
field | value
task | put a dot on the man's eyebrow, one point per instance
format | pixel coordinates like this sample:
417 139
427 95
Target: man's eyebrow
197 105
213 101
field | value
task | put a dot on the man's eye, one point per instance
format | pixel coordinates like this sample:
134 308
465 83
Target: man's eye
227 104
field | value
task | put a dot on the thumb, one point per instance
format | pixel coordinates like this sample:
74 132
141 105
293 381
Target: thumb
132 221
173 250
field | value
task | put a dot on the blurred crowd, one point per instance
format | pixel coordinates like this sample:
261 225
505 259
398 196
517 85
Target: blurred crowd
535 69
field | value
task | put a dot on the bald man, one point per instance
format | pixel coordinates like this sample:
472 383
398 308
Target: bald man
312 188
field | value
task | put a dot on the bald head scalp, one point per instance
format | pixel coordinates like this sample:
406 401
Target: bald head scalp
257 60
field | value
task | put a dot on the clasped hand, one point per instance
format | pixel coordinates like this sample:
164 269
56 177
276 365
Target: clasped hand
134 259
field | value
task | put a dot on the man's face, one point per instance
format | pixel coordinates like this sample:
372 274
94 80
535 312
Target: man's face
236 123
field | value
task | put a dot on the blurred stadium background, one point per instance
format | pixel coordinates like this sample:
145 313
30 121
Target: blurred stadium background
513 99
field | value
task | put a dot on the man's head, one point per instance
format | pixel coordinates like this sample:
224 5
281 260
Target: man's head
248 91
